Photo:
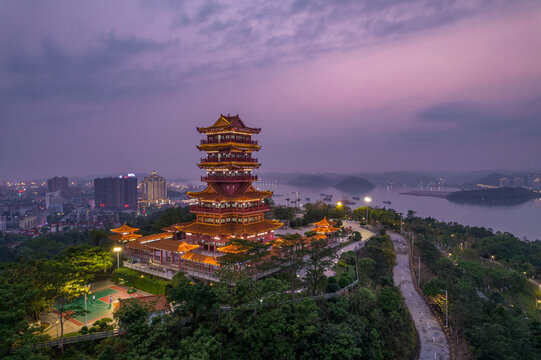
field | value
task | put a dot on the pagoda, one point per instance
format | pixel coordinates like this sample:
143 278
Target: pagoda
324 229
229 207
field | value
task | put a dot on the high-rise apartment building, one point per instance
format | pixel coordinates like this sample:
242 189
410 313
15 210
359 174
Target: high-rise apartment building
116 193
57 183
154 189
54 201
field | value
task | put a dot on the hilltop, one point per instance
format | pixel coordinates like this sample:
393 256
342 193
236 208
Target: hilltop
354 184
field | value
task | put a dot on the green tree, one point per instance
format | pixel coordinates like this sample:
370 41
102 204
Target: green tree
320 259
292 249
189 298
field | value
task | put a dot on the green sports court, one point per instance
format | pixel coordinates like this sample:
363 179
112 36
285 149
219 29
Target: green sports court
97 304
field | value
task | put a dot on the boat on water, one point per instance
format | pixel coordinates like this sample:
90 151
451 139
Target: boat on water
356 198
307 199
387 202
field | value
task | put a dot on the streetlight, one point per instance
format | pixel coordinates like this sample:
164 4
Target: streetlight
367 200
117 249
57 328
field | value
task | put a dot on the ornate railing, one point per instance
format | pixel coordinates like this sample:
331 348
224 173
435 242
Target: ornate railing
227 160
202 209
229 178
221 141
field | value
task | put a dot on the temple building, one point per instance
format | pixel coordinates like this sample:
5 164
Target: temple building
228 208
324 230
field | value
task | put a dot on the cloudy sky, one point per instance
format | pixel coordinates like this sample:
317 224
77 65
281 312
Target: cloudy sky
95 87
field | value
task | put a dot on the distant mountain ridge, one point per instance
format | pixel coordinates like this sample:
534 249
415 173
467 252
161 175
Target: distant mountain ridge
353 184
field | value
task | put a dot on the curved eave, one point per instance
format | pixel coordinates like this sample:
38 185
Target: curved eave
232 229
227 145
214 129
217 197
226 164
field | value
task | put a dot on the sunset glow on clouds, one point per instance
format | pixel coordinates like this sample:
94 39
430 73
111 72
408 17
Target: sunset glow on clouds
387 84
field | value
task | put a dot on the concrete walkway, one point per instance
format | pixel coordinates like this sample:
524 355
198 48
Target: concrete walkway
365 235
433 341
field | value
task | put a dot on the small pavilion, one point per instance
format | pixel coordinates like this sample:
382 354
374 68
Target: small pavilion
124 234
324 230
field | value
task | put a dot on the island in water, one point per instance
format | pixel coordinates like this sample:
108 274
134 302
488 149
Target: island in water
354 184
497 196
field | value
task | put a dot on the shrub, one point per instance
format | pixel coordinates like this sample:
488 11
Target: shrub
332 280
140 281
350 258
333 287
344 281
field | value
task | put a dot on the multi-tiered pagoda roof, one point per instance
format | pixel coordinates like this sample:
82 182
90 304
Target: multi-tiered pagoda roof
230 206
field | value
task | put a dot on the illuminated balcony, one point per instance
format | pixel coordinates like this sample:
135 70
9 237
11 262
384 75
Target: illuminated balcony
236 210
212 159
230 178
222 141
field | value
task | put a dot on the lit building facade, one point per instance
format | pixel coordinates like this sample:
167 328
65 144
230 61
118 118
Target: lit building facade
154 189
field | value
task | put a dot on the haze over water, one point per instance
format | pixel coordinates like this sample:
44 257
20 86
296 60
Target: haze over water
519 220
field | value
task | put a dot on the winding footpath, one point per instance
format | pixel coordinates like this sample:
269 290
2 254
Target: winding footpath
433 341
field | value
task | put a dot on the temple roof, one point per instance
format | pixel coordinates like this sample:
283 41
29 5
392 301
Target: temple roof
124 237
323 222
163 244
174 228
200 258
228 122
318 237
233 249
324 226
232 228
139 246
325 229
185 247
124 229
153 237
214 192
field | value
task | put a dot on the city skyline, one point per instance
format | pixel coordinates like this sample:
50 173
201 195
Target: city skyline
359 87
